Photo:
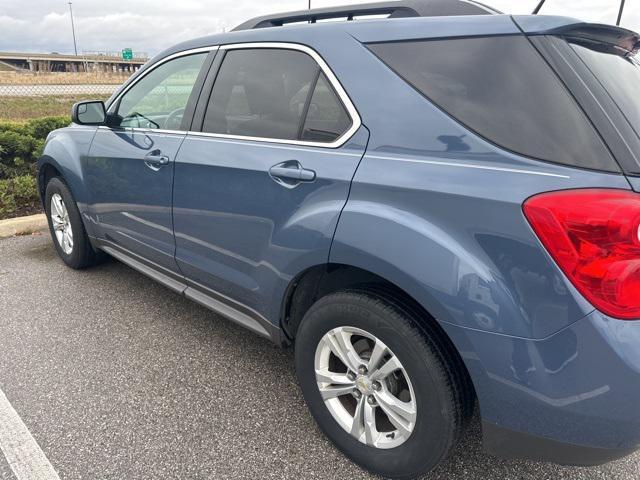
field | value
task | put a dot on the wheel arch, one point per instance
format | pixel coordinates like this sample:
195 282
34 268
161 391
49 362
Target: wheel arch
46 172
321 280
63 157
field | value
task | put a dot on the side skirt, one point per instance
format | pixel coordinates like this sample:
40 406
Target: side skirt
210 299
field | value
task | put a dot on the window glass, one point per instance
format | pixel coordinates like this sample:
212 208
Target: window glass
327 118
618 73
159 99
501 88
260 93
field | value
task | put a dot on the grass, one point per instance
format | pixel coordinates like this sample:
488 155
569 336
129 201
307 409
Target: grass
19 109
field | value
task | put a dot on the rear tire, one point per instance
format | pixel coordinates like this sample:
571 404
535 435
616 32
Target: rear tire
67 229
422 376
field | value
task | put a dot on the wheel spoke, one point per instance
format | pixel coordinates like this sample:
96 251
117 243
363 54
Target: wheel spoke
358 427
56 203
333 391
370 430
340 344
65 241
324 375
401 414
386 369
378 351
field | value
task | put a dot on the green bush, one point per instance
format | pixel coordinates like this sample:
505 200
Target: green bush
40 127
21 144
19 195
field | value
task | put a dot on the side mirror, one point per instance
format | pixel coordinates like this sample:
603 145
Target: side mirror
89 113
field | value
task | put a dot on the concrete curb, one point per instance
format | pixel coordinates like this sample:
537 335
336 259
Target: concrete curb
22 225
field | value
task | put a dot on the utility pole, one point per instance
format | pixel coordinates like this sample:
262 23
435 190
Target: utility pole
73 30
309 4
620 13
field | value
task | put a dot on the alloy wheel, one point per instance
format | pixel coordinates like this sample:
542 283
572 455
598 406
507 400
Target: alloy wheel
61 223
365 387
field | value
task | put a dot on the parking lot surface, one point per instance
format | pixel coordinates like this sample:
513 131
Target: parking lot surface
117 377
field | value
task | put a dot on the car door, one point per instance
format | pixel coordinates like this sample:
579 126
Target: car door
259 189
130 166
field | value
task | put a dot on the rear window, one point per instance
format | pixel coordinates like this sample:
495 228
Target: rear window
501 88
619 74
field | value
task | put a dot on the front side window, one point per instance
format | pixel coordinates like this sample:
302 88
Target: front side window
501 88
159 99
274 94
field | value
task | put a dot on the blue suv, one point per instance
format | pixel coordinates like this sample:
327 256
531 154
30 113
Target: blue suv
432 202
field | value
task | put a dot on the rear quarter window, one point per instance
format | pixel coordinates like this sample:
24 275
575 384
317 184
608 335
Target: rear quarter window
502 89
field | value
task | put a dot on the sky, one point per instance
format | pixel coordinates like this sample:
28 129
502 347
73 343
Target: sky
152 25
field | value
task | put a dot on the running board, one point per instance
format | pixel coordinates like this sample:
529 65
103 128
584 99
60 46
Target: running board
226 311
258 325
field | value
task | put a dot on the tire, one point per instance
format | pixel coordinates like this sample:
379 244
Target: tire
81 254
431 383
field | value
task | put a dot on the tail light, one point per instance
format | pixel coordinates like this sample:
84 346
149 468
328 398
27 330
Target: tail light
593 235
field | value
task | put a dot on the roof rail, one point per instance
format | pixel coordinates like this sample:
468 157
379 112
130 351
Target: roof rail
395 9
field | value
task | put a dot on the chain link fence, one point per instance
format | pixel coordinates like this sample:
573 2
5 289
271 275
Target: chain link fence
38 85
24 96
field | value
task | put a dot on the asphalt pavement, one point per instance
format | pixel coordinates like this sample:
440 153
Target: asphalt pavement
117 377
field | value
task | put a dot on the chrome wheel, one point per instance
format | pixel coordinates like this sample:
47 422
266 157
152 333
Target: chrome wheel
365 387
61 223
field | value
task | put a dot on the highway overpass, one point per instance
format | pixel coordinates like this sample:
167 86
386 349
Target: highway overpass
54 62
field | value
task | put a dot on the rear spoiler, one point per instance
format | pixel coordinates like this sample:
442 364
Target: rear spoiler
617 38
621 38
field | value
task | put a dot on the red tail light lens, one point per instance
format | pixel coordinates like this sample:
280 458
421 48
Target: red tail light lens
593 235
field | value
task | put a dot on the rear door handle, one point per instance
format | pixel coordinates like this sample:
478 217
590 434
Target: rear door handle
291 173
155 160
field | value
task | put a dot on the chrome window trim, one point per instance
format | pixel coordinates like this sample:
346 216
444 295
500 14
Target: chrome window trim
356 121
184 53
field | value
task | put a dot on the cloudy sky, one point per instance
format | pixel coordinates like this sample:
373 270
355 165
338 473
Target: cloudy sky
151 25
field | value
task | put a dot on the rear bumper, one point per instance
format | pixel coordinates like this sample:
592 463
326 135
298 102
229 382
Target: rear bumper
506 443
571 398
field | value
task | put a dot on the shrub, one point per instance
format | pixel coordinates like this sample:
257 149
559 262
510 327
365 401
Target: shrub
21 144
16 154
19 195
40 127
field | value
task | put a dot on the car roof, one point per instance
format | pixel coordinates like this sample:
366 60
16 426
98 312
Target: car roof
396 29
386 29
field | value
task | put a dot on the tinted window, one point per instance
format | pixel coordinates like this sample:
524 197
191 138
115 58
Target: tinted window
159 99
327 118
501 88
619 74
261 93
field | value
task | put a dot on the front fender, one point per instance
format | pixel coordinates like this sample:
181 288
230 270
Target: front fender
65 151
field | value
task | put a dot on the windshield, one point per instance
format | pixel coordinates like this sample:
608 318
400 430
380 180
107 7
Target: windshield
619 74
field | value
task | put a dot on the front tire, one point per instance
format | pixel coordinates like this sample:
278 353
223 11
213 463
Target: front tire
65 224
378 387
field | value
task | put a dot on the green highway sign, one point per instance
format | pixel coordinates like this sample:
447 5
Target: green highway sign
127 54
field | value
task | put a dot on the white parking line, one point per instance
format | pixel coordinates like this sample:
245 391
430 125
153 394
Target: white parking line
22 452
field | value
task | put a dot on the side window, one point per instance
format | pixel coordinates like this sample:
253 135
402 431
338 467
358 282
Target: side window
501 88
274 94
327 118
159 99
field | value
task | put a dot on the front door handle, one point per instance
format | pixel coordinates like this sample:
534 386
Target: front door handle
155 160
291 173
